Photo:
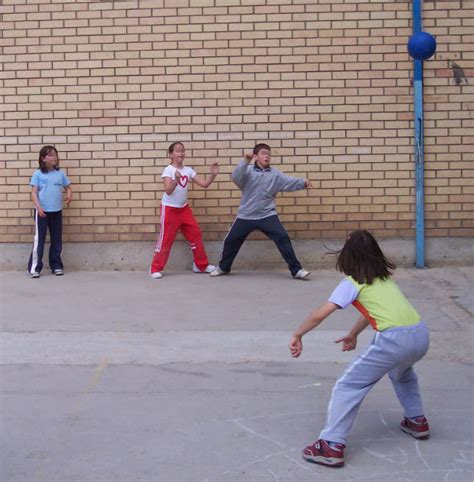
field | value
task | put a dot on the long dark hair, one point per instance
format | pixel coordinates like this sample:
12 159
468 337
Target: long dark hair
362 258
45 150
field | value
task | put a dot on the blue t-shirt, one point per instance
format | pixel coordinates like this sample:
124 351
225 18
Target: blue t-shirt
50 189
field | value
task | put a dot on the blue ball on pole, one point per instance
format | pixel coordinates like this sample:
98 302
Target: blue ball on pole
421 46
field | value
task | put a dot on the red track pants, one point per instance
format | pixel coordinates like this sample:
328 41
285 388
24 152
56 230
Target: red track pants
173 220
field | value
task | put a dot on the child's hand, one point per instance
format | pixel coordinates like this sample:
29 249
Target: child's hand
249 157
295 346
215 169
308 184
349 342
68 198
177 175
41 213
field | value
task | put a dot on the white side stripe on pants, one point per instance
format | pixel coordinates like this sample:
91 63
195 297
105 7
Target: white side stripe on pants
346 372
34 253
159 241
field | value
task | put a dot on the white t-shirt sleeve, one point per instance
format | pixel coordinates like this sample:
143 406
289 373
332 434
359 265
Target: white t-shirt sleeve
344 294
192 173
169 172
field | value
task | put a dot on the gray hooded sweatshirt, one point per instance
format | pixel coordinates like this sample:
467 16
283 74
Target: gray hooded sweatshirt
259 188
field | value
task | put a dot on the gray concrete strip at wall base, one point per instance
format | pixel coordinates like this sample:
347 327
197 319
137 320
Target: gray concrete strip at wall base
255 254
114 376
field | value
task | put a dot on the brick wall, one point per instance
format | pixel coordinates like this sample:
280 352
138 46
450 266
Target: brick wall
325 82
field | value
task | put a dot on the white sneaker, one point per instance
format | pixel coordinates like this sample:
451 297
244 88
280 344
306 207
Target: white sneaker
58 272
218 272
302 274
35 274
156 275
209 269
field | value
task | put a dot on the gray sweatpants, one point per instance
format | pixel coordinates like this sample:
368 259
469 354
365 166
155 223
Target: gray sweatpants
393 351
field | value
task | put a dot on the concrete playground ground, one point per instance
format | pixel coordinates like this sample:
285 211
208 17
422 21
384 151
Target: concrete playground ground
113 376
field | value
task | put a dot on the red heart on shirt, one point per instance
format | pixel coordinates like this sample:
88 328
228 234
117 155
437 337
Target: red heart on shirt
183 180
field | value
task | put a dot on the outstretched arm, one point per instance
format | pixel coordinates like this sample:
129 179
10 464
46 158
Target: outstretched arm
312 321
205 183
289 184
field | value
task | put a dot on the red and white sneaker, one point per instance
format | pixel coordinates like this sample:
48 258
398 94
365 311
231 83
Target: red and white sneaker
321 453
416 427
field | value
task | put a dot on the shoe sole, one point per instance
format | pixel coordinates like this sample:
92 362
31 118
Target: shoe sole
417 435
326 461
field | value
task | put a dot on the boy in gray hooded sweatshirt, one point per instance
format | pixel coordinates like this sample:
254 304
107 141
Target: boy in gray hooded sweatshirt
259 184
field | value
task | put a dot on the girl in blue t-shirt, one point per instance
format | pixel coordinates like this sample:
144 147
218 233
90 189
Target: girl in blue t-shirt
401 340
48 184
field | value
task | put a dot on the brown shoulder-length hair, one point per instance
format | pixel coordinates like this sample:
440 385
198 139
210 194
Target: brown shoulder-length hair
362 258
45 150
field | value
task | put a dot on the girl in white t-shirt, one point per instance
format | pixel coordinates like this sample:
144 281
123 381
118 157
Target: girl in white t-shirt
177 215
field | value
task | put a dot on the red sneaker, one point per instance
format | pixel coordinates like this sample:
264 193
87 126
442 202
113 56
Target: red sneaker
416 427
321 453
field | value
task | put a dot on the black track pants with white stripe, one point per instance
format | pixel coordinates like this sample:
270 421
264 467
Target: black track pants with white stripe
54 223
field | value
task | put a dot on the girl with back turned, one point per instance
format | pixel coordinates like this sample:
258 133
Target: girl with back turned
401 339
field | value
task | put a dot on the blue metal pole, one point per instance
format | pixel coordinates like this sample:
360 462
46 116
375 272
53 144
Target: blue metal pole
419 145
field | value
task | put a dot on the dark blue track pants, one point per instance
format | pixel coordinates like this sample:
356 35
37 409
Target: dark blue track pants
271 227
54 223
